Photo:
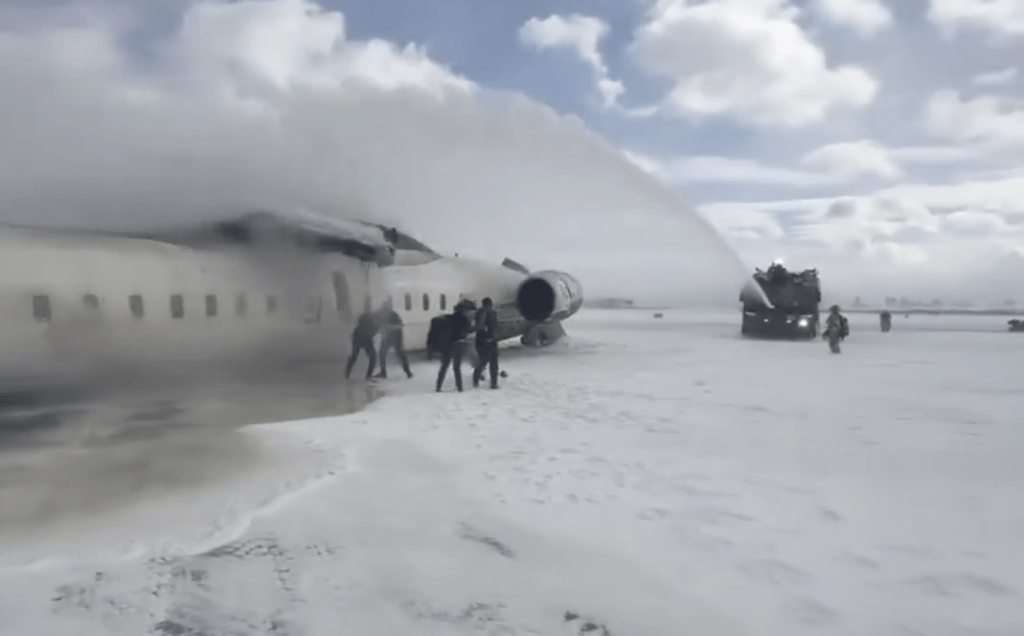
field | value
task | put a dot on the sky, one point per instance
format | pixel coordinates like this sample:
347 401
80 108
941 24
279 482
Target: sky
625 141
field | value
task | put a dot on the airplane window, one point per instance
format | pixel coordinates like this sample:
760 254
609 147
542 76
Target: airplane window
177 306
408 302
241 306
211 305
91 301
271 304
41 309
426 302
136 305
444 302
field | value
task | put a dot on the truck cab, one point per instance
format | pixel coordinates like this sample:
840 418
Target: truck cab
794 312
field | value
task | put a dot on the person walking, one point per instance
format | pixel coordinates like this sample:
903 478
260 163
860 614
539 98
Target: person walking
486 343
836 329
452 340
391 338
362 340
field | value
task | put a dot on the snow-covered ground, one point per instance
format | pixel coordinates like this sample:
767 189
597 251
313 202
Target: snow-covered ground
649 476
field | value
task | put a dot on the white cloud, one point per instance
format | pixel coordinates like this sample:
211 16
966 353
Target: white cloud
1001 17
293 43
742 222
975 223
940 154
266 103
711 169
997 78
867 17
582 34
950 240
748 59
986 119
833 164
853 159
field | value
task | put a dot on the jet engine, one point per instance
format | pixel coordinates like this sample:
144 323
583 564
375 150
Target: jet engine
548 296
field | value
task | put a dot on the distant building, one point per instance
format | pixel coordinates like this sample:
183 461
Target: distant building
610 303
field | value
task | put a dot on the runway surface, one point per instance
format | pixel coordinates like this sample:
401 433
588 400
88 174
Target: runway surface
63 454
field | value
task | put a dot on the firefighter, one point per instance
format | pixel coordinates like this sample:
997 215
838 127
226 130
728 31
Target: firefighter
885 320
451 341
836 329
486 343
391 326
362 340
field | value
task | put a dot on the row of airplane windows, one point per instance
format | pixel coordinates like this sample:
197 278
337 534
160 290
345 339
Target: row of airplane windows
42 309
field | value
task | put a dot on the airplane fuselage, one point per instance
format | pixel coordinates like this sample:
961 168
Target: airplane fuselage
79 307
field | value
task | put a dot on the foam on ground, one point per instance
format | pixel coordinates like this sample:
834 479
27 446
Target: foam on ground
647 477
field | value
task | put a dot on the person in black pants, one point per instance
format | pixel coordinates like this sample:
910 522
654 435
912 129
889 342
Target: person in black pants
391 323
362 340
486 343
451 341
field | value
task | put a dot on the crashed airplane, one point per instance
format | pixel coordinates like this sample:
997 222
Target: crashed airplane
78 307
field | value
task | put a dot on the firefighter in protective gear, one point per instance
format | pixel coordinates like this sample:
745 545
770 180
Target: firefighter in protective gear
836 329
486 343
391 337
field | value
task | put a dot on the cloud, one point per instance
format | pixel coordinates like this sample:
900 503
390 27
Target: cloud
975 223
988 119
265 103
867 17
959 240
742 222
747 59
582 34
830 165
853 159
939 154
711 169
1003 18
997 78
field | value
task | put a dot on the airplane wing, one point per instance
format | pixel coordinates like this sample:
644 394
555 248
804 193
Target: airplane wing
365 241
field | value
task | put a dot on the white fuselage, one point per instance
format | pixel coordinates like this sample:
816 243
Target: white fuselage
75 306
420 292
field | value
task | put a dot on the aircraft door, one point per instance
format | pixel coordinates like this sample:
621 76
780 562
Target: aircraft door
342 298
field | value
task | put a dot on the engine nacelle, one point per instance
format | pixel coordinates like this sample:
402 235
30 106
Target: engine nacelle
549 295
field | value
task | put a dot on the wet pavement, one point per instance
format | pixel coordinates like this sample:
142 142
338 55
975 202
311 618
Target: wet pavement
71 453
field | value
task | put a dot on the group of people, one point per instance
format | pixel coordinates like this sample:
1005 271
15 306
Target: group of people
449 336
370 323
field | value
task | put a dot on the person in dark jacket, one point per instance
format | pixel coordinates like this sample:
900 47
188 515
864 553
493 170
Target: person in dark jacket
836 329
438 327
391 325
362 340
486 343
451 340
